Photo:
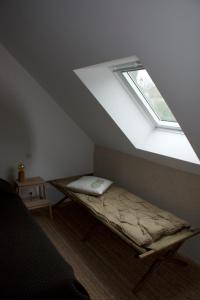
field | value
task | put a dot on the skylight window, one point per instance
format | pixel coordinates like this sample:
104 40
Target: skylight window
129 96
141 84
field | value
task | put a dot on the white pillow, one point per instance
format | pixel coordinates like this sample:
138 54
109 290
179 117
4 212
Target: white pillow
90 185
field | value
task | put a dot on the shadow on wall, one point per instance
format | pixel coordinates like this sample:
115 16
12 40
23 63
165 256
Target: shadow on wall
15 136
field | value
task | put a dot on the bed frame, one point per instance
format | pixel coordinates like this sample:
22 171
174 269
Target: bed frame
162 250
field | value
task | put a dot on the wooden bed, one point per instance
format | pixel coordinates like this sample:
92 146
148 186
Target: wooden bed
163 249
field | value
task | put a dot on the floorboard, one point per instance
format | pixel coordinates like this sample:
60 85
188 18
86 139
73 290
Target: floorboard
107 266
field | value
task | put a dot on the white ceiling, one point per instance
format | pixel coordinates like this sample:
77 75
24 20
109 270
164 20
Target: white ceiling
51 38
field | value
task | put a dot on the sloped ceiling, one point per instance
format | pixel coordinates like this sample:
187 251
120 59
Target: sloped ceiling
51 38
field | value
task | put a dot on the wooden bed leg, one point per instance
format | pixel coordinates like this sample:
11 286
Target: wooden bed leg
169 255
155 265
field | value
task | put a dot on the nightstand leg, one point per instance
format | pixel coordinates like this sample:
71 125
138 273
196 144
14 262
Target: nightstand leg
44 191
40 192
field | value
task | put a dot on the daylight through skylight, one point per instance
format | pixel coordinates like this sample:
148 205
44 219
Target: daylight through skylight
130 98
140 81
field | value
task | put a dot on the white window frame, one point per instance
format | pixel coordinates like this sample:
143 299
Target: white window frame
137 94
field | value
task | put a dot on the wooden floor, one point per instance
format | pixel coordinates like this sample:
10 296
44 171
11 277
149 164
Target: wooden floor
106 265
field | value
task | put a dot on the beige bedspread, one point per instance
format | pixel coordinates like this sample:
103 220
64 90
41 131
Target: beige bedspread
139 220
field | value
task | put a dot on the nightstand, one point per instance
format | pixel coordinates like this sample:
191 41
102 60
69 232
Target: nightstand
36 189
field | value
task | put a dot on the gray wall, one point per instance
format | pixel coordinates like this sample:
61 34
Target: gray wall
33 128
52 38
171 189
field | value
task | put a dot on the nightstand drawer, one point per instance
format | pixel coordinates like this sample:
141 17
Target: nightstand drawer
37 190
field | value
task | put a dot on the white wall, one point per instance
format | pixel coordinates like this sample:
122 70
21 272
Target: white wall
33 128
108 91
170 189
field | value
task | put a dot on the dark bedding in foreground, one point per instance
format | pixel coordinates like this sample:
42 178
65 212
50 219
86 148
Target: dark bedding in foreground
30 266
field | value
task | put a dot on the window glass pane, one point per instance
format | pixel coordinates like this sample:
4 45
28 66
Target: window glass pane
146 86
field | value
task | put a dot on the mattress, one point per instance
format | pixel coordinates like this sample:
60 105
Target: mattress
136 218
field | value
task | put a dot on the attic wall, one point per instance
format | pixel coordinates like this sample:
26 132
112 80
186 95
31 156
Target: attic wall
52 38
33 128
174 190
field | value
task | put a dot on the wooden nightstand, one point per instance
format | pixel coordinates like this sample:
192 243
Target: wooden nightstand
36 189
